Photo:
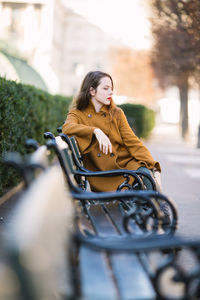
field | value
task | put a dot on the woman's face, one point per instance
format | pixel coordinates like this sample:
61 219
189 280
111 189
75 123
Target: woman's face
102 95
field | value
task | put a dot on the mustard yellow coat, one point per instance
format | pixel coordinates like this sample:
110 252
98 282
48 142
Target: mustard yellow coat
128 151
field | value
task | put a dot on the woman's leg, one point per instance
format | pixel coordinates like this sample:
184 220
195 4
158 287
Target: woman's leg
146 181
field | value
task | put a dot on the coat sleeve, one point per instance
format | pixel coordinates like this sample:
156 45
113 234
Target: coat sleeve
135 146
84 134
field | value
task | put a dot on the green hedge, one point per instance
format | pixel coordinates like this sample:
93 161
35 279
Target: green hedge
25 112
140 118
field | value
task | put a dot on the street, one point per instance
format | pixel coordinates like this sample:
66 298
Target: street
180 163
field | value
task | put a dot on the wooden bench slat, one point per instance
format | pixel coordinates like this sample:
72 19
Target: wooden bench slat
132 280
126 268
103 224
96 278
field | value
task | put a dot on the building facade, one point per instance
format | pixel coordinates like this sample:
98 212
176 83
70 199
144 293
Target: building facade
59 43
26 28
78 47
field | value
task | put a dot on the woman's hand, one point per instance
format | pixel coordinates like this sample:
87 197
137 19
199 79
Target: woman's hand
104 143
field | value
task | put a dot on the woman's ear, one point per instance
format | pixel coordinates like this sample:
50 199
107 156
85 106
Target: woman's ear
92 91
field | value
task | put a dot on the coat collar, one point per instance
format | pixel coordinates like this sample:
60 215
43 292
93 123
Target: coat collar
104 108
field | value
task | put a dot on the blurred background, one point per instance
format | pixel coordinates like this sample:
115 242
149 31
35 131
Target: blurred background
150 47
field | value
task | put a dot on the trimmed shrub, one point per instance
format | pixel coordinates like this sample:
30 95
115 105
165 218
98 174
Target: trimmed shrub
140 118
25 112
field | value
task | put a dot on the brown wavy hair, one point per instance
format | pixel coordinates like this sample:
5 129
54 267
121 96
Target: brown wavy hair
91 80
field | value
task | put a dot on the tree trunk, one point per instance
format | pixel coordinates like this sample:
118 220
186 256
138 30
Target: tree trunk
198 134
183 92
198 138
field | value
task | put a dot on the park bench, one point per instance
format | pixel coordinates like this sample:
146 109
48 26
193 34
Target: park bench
141 208
65 157
50 188
106 264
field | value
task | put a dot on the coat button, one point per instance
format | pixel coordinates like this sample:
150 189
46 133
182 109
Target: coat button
89 116
99 154
112 154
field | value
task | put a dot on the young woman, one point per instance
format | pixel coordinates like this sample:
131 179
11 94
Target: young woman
104 136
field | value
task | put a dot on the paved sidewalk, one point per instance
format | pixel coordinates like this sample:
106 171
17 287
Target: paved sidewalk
180 163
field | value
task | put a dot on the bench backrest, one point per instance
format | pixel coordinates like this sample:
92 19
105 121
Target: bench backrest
76 149
67 153
39 239
69 163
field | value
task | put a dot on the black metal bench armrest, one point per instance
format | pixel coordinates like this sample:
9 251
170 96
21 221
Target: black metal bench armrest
112 173
136 243
136 174
106 196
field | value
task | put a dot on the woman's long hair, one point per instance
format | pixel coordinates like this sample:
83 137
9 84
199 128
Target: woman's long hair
91 80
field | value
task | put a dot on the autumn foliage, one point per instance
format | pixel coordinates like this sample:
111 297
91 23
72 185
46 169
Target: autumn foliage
133 75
